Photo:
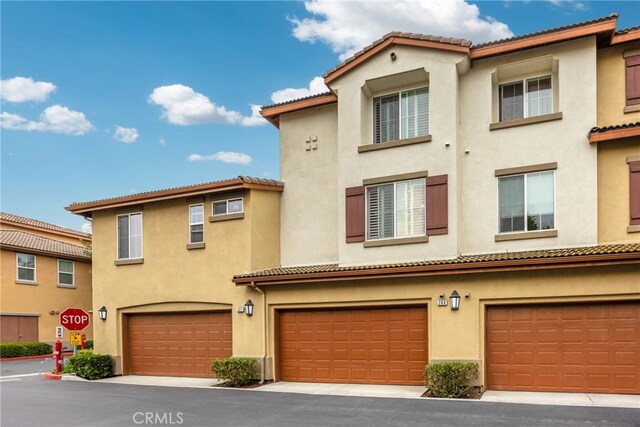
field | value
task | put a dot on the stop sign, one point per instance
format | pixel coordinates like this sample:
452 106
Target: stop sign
74 319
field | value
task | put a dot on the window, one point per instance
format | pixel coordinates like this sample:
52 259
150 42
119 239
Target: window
224 207
528 196
26 265
196 223
525 98
401 115
396 210
130 236
65 273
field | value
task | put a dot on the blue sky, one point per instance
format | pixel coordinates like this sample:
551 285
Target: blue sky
104 99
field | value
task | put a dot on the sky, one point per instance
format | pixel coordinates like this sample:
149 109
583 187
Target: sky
107 99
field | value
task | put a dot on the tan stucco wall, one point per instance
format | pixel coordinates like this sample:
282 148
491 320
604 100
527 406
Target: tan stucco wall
310 200
563 141
613 190
459 335
611 86
173 278
46 295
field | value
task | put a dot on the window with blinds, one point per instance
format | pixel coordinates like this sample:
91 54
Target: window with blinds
396 210
526 98
401 115
527 202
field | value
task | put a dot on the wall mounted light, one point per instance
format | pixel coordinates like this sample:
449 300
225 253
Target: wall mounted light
248 308
102 313
455 300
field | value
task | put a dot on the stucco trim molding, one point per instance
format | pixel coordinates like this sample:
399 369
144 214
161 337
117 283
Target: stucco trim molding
526 235
12 313
631 109
527 169
200 245
395 178
393 242
176 306
392 144
129 261
227 217
26 282
523 122
631 159
633 229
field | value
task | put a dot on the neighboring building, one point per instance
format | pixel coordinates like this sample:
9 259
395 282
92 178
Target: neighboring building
435 169
45 269
163 264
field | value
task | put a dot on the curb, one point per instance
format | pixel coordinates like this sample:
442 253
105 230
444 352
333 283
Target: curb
50 376
43 356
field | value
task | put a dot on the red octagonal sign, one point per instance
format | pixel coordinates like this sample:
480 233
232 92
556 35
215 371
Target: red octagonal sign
74 319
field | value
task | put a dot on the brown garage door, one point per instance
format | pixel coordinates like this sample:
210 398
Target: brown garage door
374 346
177 344
18 329
587 347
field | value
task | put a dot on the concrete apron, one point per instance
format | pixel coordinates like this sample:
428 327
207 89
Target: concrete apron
161 381
568 399
365 390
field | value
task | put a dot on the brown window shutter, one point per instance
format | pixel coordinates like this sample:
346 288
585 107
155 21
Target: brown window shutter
437 205
634 192
354 214
633 80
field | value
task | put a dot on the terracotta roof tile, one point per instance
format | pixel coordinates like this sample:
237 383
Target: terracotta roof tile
17 240
626 30
39 224
414 36
180 191
462 259
613 127
291 101
550 30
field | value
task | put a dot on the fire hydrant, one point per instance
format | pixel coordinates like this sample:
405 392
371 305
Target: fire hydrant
57 351
84 339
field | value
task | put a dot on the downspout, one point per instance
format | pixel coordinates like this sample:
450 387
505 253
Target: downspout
265 330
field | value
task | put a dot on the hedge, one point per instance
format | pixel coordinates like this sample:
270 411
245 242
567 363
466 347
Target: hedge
235 371
88 345
89 366
14 349
450 379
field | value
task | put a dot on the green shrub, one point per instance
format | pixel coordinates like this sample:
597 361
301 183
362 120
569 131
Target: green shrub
37 348
14 349
450 379
235 371
89 366
10 349
88 345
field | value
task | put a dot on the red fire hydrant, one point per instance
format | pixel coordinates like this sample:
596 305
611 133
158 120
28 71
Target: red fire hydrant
57 351
84 338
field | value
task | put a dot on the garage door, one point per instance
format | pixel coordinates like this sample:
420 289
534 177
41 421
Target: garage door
177 344
569 348
374 346
18 329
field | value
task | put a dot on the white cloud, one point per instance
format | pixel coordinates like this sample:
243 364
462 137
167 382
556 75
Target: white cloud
316 86
22 89
56 119
184 106
255 119
348 26
162 141
223 156
86 227
126 135
573 4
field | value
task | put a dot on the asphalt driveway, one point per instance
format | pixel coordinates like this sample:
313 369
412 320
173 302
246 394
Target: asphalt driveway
33 401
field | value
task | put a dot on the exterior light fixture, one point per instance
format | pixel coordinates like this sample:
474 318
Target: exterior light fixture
455 300
102 313
248 308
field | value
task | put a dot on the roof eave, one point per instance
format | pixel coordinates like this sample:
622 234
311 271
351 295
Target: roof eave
23 249
614 134
445 269
604 30
272 114
626 37
47 230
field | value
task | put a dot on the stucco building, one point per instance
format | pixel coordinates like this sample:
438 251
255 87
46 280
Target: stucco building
464 209
44 270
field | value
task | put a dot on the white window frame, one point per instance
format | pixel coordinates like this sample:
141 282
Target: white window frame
525 107
555 198
35 264
73 274
226 201
196 223
395 211
399 93
141 236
